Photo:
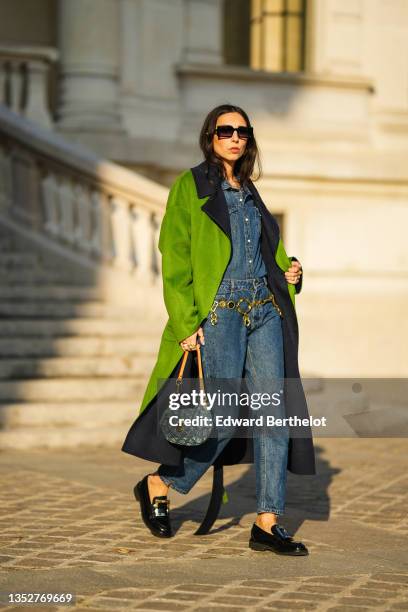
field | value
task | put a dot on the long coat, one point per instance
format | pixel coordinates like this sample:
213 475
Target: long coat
196 246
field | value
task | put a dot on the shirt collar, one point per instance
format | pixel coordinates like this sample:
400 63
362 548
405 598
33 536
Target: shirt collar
226 185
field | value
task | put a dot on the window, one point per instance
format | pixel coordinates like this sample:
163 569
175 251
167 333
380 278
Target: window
237 15
265 34
277 33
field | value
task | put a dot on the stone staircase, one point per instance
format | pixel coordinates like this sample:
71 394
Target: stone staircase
73 368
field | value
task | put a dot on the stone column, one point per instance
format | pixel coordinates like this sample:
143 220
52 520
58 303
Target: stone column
204 21
336 37
88 39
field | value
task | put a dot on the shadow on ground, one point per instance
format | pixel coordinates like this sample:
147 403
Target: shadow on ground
307 498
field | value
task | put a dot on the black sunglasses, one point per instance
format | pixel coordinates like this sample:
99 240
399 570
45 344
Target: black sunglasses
226 131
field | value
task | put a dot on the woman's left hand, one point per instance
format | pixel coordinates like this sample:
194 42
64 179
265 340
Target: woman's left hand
293 273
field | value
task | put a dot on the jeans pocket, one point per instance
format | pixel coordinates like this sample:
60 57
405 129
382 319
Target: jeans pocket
223 293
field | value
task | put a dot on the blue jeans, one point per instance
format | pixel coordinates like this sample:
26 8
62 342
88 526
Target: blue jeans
233 350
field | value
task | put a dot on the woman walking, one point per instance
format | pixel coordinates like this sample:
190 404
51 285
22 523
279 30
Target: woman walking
227 254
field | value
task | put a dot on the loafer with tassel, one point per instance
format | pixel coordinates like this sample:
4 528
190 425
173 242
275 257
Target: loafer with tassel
278 541
155 514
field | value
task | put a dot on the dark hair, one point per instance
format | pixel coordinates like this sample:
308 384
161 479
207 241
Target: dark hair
244 166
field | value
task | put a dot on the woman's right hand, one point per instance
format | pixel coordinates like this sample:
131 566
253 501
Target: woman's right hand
190 343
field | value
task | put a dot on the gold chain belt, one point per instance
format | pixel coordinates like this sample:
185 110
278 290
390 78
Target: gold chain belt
230 304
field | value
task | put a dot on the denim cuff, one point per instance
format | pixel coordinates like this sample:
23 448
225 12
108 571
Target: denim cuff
168 481
274 510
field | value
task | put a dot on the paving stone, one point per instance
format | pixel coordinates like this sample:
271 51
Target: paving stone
162 604
394 578
290 605
321 590
90 534
386 586
301 596
370 592
242 600
131 594
195 588
263 583
347 609
217 608
360 601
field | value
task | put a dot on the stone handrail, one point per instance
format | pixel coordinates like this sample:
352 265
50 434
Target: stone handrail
91 208
24 80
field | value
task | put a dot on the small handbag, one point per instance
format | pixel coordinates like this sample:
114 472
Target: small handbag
180 433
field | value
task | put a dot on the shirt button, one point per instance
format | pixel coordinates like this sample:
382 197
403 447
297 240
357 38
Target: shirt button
250 260
246 219
249 240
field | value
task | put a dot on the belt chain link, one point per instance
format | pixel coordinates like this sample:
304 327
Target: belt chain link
230 304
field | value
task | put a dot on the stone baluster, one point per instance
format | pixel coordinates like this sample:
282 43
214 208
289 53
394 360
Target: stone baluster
83 212
15 85
66 201
83 216
143 242
24 73
3 80
121 234
6 192
156 264
96 236
50 198
36 108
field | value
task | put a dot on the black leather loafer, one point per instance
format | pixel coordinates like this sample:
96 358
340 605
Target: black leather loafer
156 514
278 541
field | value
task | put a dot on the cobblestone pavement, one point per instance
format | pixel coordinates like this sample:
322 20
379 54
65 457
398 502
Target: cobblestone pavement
69 523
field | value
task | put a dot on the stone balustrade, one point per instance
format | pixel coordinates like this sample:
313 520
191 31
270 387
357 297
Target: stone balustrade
24 81
94 210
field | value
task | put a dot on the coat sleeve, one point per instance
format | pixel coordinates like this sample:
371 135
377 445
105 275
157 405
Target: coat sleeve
284 263
175 247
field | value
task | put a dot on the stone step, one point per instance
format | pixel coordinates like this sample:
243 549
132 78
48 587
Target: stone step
74 390
65 437
78 327
54 424
17 259
38 276
53 309
77 347
49 292
76 367
73 368
7 243
26 262
69 414
57 310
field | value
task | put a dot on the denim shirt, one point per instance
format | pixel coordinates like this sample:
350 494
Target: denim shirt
245 219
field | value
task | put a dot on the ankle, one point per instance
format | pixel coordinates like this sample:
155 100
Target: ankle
157 482
265 520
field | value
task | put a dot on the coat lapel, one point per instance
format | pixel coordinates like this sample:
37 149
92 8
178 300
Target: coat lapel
270 228
208 183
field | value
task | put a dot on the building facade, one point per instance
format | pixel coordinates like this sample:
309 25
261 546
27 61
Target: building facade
325 83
